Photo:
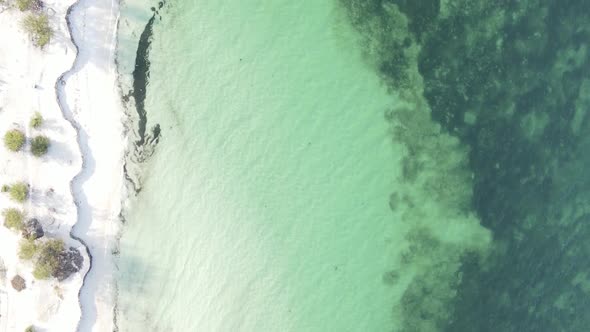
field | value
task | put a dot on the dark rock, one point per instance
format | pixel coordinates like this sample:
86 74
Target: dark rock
70 261
18 283
33 230
37 5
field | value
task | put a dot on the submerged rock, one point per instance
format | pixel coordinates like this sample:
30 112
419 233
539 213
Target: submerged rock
33 229
69 262
18 283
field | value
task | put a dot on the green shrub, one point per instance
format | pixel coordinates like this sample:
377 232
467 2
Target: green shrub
37 26
14 140
48 260
5 188
39 145
19 192
23 5
41 271
36 120
27 249
31 328
13 219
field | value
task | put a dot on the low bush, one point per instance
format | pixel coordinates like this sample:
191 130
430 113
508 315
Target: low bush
41 271
39 145
14 140
48 259
24 5
36 120
37 26
19 192
27 249
13 219
31 328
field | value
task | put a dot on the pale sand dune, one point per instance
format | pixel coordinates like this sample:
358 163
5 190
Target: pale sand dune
91 104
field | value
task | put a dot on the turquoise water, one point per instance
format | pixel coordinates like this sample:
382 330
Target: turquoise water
361 165
266 205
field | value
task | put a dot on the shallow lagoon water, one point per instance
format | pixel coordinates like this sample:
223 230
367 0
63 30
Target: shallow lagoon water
292 191
265 207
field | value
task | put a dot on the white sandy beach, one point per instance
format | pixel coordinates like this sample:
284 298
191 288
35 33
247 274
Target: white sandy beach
94 132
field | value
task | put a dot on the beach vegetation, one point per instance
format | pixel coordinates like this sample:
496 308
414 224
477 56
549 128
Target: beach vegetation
14 140
5 188
19 192
48 258
36 120
39 145
31 328
41 271
13 219
24 5
37 26
27 249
